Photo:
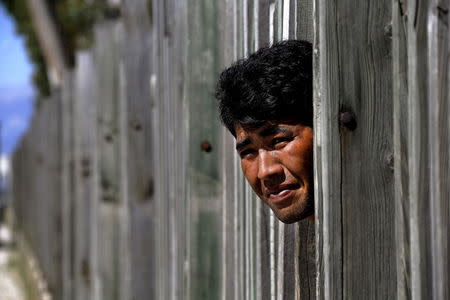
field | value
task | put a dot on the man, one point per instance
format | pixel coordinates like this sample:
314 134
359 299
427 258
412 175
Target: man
265 101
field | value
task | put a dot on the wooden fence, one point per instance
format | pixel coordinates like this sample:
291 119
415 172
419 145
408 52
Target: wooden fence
126 185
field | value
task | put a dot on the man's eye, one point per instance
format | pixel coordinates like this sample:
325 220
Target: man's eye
278 142
246 153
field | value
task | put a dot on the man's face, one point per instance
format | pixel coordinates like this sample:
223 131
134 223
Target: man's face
277 160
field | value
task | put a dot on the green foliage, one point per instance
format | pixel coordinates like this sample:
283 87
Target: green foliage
74 20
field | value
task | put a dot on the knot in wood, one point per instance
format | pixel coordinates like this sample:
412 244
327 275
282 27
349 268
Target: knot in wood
348 119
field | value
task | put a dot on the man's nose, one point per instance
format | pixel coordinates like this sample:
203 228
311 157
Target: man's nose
269 169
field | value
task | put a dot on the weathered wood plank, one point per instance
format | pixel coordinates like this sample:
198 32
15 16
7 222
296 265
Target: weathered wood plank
400 131
163 280
355 216
170 196
139 151
67 180
438 143
229 288
203 201
52 121
327 154
367 211
86 285
111 181
418 151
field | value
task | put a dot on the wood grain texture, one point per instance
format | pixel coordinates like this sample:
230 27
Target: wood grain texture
86 184
439 143
139 208
327 154
367 153
418 151
67 176
110 138
356 217
147 213
169 132
421 186
401 174
306 264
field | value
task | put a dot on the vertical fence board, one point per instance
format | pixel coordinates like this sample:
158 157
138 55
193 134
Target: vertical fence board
67 196
140 157
400 127
438 143
422 147
86 178
162 266
107 58
204 206
428 142
53 186
418 152
368 225
355 217
229 285
169 125
327 154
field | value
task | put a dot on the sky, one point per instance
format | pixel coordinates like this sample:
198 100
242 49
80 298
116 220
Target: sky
16 89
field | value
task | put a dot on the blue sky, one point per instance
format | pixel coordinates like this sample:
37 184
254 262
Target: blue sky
16 89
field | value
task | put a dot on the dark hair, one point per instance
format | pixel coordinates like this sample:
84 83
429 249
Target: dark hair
274 83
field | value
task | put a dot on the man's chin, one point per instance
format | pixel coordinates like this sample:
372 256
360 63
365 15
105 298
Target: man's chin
295 213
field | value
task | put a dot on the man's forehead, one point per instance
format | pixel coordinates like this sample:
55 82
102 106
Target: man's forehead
243 131
266 129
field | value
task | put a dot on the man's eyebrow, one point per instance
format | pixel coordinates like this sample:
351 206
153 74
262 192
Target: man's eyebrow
242 144
271 130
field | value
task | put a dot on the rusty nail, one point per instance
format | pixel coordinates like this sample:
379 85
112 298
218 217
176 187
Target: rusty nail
206 146
348 119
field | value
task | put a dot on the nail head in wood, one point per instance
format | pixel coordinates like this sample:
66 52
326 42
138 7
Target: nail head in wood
206 146
136 125
108 138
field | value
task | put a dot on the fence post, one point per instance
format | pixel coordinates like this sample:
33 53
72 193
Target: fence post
353 150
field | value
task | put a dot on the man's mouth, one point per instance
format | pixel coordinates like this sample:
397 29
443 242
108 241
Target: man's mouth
280 195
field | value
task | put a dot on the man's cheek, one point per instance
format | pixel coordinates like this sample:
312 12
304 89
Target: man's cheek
248 170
